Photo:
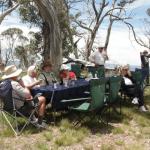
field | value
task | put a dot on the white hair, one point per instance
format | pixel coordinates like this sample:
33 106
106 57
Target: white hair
30 70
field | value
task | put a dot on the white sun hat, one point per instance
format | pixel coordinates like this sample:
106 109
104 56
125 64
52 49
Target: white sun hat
11 71
64 67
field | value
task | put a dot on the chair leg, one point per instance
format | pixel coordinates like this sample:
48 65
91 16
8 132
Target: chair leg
120 100
4 115
28 120
16 123
80 120
100 113
54 116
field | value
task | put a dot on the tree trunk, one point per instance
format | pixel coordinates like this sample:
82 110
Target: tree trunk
90 42
108 33
53 39
46 40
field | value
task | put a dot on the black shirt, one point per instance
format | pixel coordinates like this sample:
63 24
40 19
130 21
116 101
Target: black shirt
145 60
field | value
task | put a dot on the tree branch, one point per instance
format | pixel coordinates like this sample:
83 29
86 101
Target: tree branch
94 8
140 42
82 26
2 16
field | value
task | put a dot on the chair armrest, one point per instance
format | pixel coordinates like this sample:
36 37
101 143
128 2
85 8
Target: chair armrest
75 99
35 101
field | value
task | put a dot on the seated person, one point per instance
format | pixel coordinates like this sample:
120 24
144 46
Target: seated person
66 74
130 87
47 75
84 72
20 92
30 80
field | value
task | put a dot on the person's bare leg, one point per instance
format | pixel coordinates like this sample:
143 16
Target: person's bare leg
41 111
42 105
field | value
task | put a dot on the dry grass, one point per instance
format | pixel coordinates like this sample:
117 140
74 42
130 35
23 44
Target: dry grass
131 131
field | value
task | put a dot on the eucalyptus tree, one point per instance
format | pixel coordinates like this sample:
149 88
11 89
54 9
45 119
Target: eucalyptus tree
118 13
96 12
12 36
50 16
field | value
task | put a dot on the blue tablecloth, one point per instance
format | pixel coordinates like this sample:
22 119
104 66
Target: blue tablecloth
79 90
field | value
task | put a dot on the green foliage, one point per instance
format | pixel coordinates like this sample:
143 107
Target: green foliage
29 13
11 32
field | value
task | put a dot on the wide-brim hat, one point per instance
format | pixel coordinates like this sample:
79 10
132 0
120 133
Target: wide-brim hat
46 63
11 71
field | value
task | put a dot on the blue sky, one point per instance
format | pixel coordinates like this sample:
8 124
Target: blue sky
122 47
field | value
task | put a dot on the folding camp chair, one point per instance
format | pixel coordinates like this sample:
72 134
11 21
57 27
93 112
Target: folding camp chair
137 76
99 71
76 68
11 114
114 88
96 103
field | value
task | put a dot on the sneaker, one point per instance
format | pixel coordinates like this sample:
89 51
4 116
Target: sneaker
135 101
43 125
34 119
143 109
48 106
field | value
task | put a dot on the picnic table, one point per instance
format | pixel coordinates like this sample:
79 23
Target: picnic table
79 90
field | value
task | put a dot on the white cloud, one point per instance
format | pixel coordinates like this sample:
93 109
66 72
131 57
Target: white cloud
14 21
139 3
123 49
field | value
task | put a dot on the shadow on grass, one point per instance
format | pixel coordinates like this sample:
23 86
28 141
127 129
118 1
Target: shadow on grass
94 125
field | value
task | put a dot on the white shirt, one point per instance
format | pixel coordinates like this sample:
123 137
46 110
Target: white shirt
98 58
127 81
28 80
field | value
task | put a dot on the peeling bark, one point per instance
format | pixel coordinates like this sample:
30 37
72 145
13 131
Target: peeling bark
52 39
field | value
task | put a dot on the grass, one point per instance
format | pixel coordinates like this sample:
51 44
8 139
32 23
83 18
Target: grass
118 130
70 135
107 147
48 136
134 147
130 131
119 143
41 146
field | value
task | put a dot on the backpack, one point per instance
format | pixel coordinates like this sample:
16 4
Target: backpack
6 94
